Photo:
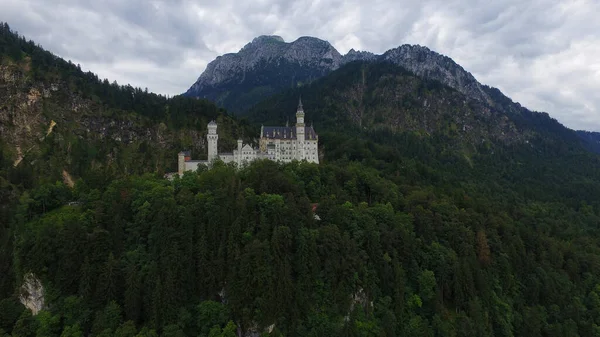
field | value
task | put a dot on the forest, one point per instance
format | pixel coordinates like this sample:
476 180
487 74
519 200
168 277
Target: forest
395 233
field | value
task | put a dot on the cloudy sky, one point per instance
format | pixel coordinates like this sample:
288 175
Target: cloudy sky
544 54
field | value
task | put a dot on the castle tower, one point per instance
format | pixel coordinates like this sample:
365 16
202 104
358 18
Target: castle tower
180 163
300 131
238 160
212 137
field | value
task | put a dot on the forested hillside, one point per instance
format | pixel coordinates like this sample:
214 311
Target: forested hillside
59 123
419 227
590 139
50 105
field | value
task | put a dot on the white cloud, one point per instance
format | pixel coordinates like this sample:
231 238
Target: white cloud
543 53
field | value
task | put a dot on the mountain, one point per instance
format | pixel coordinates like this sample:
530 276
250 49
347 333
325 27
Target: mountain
433 213
268 65
371 96
264 67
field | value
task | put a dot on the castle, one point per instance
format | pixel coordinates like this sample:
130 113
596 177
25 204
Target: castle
278 143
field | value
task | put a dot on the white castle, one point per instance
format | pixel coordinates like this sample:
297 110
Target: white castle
278 143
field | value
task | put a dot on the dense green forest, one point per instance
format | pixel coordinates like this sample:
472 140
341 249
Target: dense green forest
415 232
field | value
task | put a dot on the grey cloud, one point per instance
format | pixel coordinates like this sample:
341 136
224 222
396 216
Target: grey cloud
540 52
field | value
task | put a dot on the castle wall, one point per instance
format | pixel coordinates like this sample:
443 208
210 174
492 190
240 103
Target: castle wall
193 164
227 158
311 151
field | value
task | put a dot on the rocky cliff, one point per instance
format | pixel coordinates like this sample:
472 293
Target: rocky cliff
428 64
32 294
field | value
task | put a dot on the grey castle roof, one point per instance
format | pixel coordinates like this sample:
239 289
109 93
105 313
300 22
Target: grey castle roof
287 132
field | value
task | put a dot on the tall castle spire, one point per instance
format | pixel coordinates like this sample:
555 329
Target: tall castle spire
300 109
300 132
300 114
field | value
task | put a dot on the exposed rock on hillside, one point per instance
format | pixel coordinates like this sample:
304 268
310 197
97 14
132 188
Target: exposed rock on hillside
431 65
32 294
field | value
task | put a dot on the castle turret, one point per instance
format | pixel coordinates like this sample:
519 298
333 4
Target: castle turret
300 131
238 159
300 113
180 162
212 137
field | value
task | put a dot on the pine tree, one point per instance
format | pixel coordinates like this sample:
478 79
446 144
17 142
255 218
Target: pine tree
133 294
86 280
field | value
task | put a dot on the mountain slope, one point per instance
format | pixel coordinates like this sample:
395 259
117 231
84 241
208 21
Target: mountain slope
381 95
590 139
51 104
401 112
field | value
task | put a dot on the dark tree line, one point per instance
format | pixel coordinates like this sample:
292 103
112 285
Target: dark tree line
220 246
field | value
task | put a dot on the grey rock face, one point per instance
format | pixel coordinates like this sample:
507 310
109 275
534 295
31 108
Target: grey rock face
305 51
354 55
32 294
429 64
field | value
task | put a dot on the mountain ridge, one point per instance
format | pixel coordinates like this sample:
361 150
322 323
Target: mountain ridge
313 58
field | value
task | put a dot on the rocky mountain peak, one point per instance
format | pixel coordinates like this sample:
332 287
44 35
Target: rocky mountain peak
268 38
264 42
354 55
305 51
428 64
